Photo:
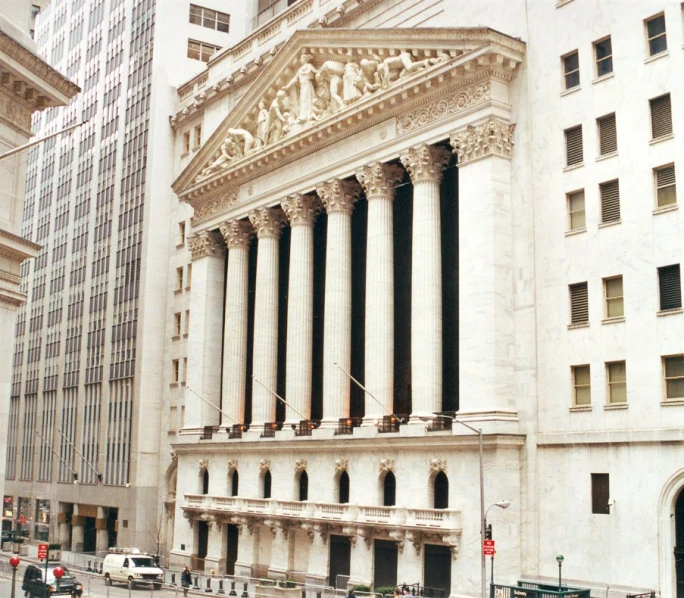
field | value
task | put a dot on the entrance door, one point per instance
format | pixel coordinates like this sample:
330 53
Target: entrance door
232 552
340 560
679 546
385 563
89 535
437 571
202 539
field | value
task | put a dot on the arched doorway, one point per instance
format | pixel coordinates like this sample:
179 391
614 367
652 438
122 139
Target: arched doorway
679 544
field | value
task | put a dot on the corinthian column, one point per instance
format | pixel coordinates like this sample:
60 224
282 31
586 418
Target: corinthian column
338 198
378 182
268 223
238 235
301 211
425 164
204 336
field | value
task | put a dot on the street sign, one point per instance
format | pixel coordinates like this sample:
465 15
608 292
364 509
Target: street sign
488 547
22 519
42 551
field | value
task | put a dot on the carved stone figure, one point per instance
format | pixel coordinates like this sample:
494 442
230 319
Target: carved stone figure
278 118
304 81
396 67
353 82
332 72
243 141
370 76
263 125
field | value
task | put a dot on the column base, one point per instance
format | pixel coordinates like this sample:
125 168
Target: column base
329 423
243 569
215 563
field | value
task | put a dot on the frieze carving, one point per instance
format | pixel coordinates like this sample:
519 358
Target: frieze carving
301 465
237 233
339 195
174 456
215 206
494 137
267 222
15 110
426 162
341 465
205 244
264 465
379 179
386 465
302 209
437 465
444 107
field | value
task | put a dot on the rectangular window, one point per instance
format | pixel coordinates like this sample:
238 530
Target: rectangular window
600 494
673 369
579 303
189 276
573 146
186 142
656 35
181 233
201 50
198 136
603 53
610 201
212 19
616 375
661 116
670 287
571 70
612 287
187 321
176 324
576 212
581 384
666 190
185 369
179 279
175 370
607 130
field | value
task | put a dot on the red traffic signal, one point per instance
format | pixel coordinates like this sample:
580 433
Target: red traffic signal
14 562
58 572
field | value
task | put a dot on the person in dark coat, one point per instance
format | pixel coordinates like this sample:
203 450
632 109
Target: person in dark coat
186 580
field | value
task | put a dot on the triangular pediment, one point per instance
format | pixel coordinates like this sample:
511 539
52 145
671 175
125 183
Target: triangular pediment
323 83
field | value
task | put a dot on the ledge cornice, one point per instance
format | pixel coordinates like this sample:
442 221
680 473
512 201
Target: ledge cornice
17 248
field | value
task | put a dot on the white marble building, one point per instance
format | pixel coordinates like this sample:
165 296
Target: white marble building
465 207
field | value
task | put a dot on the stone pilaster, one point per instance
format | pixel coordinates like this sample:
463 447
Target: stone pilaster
205 334
486 333
378 181
216 549
238 235
301 211
338 198
268 224
425 165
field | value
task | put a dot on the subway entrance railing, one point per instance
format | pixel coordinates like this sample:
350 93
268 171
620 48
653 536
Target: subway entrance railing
531 589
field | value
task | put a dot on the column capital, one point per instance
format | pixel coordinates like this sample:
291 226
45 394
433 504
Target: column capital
267 222
205 244
237 233
426 162
493 137
302 209
339 195
379 180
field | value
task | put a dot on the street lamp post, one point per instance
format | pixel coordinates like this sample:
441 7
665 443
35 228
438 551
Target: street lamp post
14 563
502 504
559 560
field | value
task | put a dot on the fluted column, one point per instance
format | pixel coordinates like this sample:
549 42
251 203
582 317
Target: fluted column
338 198
268 223
425 164
238 235
204 336
301 211
378 181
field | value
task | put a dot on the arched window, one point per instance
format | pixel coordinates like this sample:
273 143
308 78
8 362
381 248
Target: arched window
441 487
267 484
205 482
343 483
303 486
235 478
390 490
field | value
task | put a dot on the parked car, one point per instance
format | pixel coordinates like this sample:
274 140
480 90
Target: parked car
37 585
7 536
132 568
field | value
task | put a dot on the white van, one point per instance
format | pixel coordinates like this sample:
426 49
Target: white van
132 568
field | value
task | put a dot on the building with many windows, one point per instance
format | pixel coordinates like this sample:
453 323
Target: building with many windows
84 431
397 211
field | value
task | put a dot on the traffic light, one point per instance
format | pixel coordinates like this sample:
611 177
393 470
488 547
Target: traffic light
488 532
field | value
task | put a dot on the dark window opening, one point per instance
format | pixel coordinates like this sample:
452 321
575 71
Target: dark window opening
441 488
390 490
235 480
205 483
344 488
267 484
600 493
303 486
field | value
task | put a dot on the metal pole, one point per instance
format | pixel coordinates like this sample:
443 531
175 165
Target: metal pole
560 586
21 148
482 517
492 572
14 579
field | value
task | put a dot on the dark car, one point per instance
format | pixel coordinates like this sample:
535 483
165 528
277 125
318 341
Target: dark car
7 535
36 585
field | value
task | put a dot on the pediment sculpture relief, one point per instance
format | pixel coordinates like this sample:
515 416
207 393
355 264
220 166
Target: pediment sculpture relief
320 88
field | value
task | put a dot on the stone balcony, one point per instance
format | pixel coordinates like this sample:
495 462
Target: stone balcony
438 526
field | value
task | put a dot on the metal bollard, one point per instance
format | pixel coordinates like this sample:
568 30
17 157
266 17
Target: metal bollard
232 589
208 589
88 567
244 590
221 590
196 586
173 580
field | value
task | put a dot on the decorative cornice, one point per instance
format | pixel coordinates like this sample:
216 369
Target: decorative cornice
267 222
493 137
379 180
426 162
17 248
237 233
214 206
302 210
205 244
15 111
11 300
339 195
444 107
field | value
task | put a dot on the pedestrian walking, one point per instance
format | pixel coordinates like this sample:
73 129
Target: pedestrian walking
186 580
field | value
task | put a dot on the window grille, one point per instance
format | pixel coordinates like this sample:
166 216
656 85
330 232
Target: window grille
617 382
581 382
666 190
607 134
661 116
573 146
670 287
656 35
674 376
603 51
579 303
571 70
610 201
